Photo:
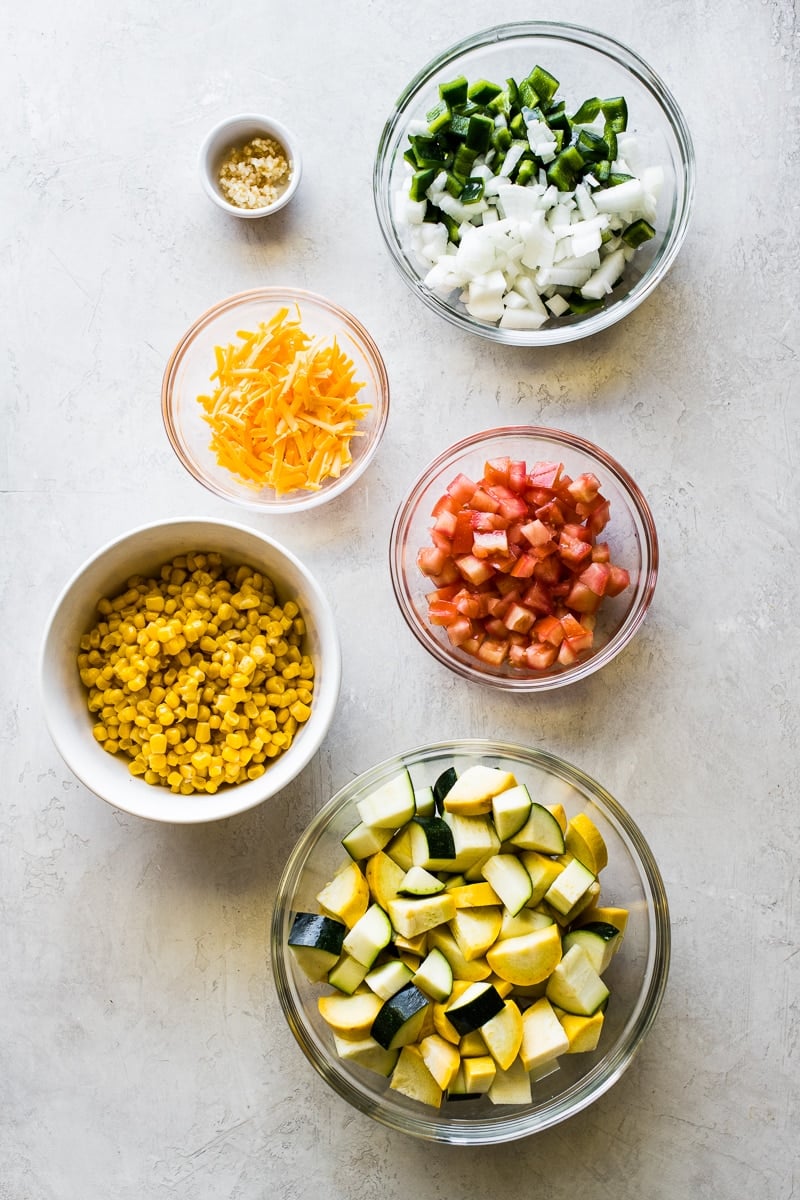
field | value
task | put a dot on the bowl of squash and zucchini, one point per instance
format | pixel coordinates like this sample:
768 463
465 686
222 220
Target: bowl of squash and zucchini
470 941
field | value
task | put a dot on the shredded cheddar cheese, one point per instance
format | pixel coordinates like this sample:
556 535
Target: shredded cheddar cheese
284 408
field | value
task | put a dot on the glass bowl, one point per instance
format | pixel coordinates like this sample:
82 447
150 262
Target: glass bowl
630 533
636 977
188 375
142 551
587 64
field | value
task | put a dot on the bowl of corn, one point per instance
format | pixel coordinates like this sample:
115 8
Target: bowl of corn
190 670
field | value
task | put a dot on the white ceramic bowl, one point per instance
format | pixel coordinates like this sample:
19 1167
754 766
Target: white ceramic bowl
74 613
237 131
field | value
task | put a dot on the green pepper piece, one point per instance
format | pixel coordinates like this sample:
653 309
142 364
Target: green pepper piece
528 96
564 169
526 171
482 91
513 92
638 232
610 139
579 304
617 177
428 150
544 84
453 185
472 191
615 112
463 161
479 133
454 91
592 146
459 124
518 127
587 111
420 182
601 171
438 117
501 138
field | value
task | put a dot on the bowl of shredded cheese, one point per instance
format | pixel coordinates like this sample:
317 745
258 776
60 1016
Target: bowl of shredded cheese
250 165
276 399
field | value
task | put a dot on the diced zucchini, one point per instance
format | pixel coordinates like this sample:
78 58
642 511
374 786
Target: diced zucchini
510 811
424 804
478 1004
474 840
389 978
444 782
364 840
443 939
575 986
525 921
434 976
599 940
618 917
368 936
316 942
507 875
431 842
472 792
543 872
399 1019
566 891
412 916
389 806
541 831
458 1088
419 882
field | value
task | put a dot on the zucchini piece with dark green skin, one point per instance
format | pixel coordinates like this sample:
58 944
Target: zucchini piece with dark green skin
438 838
316 942
442 786
393 1024
478 1004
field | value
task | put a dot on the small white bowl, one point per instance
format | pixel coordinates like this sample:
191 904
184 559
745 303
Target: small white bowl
105 573
237 131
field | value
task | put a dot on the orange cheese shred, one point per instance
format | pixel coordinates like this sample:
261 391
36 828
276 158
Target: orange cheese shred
284 408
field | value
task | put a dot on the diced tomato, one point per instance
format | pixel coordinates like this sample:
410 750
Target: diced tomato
584 487
490 544
549 629
544 474
431 560
473 569
516 571
518 618
442 612
493 652
496 471
462 489
540 656
618 580
483 502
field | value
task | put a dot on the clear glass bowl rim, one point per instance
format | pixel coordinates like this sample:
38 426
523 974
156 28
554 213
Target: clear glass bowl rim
674 238
277 295
597 1081
581 670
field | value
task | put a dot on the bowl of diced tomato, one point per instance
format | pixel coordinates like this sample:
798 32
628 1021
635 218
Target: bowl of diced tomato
524 557
276 399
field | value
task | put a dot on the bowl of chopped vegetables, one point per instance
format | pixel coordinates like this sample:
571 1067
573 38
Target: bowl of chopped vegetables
470 941
190 670
534 183
524 557
276 399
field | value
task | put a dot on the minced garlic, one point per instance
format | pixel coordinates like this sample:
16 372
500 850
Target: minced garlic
254 175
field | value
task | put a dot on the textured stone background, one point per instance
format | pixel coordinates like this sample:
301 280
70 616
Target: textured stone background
143 1052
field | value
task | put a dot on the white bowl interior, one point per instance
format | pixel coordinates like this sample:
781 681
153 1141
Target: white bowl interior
74 613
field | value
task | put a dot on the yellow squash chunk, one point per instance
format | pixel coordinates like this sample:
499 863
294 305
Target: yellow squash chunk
618 917
503 1034
583 1032
473 971
417 945
384 878
412 1078
584 840
350 1016
346 896
472 1045
560 814
441 1058
472 792
367 1053
543 1036
543 872
410 917
512 1086
475 930
526 959
474 895
501 986
478 1073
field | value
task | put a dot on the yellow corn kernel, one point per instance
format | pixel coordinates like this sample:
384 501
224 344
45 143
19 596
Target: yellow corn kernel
158 744
202 732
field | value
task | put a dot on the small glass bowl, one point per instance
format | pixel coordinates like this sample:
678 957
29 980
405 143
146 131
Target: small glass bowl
636 978
586 63
630 533
188 375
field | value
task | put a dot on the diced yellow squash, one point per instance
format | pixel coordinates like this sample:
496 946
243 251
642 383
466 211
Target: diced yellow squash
501 986
583 1032
441 1058
441 1023
478 1073
584 840
473 972
474 895
410 917
472 1045
350 1016
560 814
618 917
503 1034
543 1036
472 792
346 896
417 945
412 1078
543 872
512 1086
384 878
475 930
526 959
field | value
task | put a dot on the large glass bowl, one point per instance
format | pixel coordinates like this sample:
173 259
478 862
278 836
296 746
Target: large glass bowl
630 533
586 63
188 375
636 978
